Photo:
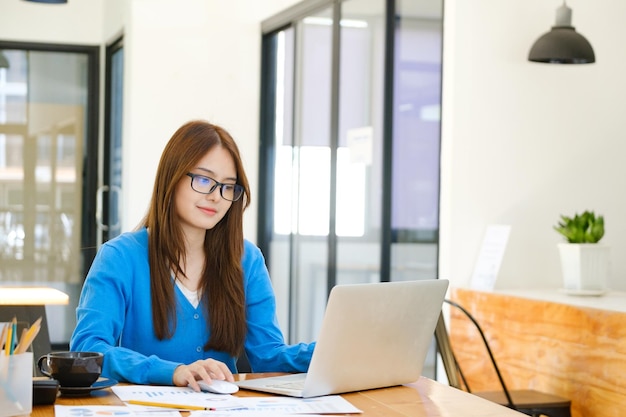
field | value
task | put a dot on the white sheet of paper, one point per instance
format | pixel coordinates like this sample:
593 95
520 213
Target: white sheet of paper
490 257
277 406
225 404
247 413
327 404
107 410
175 395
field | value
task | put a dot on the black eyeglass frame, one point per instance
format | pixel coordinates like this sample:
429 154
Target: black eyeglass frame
237 189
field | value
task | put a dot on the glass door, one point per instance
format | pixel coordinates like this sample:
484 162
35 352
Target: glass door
349 169
360 152
48 163
322 160
300 138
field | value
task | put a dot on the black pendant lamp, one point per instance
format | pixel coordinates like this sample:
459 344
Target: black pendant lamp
562 45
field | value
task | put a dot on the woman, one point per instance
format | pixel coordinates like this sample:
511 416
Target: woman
179 299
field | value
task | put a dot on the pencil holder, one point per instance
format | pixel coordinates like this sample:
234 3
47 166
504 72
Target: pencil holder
16 384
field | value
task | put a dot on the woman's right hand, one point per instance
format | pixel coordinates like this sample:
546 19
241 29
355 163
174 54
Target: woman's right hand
205 370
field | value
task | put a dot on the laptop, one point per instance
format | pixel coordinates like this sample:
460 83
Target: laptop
372 336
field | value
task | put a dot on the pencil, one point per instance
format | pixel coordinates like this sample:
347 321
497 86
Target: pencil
21 340
3 335
28 337
166 405
8 349
13 336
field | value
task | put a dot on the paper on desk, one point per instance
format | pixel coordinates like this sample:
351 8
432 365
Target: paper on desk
175 395
248 413
330 404
107 410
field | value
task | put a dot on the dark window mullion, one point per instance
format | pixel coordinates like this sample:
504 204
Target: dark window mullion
386 236
334 144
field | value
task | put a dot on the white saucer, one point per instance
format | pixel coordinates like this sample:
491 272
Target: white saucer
583 293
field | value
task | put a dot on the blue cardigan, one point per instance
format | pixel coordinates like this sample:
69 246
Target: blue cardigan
114 316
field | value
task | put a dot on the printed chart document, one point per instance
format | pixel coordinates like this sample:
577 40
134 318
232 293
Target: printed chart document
248 413
106 410
328 404
182 398
219 405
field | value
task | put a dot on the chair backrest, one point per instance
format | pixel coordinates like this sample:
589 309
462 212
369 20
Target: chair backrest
447 355
451 365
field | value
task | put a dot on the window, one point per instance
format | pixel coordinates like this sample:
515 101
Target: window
48 170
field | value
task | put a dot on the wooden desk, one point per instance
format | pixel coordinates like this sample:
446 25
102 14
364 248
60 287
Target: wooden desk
424 398
563 347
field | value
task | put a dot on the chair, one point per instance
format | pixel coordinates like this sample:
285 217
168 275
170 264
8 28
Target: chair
243 365
530 402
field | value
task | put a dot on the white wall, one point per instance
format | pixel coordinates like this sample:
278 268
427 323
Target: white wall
186 60
522 142
526 142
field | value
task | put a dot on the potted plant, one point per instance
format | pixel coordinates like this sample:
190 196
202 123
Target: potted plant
584 261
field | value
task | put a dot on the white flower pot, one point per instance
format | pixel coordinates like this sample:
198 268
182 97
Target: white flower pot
585 266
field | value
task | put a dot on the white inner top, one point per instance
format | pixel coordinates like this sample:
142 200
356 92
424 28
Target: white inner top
192 296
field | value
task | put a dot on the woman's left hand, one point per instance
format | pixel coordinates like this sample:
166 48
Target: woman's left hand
205 370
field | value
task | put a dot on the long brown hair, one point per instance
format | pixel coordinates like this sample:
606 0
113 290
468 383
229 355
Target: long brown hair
222 280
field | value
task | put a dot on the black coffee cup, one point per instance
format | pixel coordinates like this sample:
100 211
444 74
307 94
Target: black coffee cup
72 369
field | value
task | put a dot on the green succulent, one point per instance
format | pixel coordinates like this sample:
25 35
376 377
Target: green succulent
583 228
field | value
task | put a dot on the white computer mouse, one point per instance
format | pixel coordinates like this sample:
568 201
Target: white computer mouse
218 387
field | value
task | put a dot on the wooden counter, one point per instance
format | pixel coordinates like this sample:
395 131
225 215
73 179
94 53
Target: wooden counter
423 398
562 347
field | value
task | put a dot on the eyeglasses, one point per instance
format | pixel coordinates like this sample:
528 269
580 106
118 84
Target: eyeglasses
206 185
